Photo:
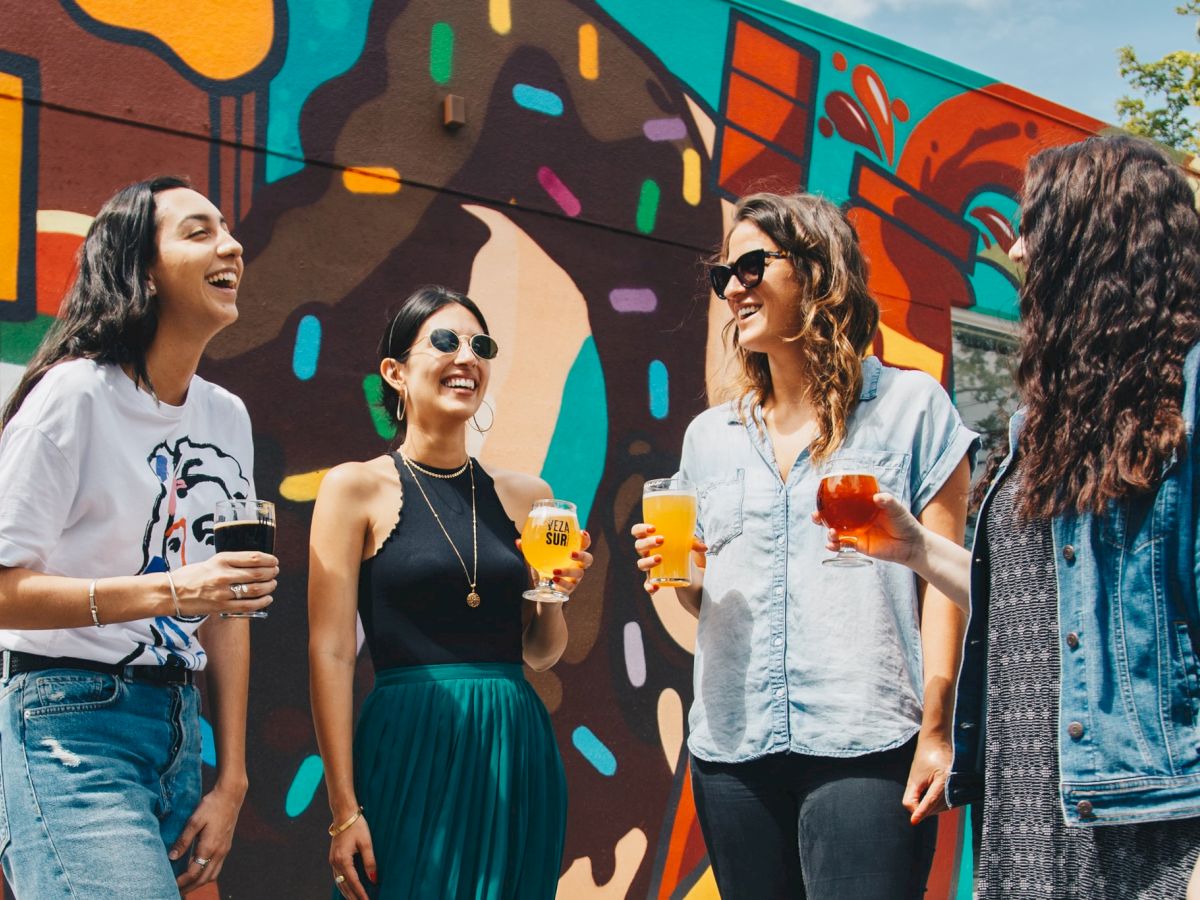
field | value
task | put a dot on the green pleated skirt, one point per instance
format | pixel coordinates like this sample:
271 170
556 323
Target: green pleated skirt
462 784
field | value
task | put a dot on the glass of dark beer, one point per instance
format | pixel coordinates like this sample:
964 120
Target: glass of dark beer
846 503
244 525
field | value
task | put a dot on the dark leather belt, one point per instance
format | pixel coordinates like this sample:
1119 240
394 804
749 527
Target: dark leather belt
13 662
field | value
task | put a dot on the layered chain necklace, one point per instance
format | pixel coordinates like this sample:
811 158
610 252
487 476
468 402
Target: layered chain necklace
473 576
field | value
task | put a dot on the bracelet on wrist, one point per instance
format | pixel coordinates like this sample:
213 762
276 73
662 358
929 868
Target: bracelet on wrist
174 596
92 604
336 829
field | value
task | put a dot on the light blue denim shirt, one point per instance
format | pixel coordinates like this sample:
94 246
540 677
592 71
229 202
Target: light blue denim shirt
792 655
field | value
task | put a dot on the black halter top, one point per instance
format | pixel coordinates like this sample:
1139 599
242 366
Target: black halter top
412 594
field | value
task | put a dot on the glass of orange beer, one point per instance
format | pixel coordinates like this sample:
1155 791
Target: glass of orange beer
551 534
846 503
669 504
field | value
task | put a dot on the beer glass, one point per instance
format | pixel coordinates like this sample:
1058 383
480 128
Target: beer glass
846 503
669 504
551 534
244 525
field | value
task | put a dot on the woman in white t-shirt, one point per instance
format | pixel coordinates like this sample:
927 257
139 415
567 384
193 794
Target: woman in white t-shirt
112 455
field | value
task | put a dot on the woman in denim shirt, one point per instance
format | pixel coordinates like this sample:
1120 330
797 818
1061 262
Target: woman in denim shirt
820 726
1081 651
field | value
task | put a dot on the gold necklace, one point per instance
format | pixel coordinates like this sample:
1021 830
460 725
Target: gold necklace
413 464
473 597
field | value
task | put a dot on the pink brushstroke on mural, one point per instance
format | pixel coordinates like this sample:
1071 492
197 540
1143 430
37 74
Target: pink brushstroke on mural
559 192
672 129
635 300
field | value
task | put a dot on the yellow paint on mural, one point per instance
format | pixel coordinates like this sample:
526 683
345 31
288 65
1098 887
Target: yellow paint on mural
500 16
11 139
217 39
705 888
371 180
691 176
63 221
670 725
302 488
901 350
578 882
589 52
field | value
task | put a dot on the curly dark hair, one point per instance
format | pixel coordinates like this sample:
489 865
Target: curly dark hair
1110 307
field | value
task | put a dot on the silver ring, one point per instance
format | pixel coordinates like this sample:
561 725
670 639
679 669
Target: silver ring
238 590
201 861
339 879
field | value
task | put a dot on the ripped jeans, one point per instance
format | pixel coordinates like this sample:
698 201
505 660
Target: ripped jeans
98 776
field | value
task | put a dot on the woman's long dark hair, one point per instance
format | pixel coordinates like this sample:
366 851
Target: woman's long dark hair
397 340
1110 307
108 314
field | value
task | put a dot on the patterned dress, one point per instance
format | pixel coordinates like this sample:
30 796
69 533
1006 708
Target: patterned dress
1028 851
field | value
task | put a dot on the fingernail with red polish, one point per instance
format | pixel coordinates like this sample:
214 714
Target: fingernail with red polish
374 876
558 571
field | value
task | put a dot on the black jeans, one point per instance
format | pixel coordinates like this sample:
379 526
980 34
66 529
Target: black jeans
813 827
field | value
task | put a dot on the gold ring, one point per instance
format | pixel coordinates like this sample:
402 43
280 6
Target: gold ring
339 879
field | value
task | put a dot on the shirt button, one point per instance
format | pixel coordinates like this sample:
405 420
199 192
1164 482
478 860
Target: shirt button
1072 640
1075 730
1084 808
778 692
778 642
1069 553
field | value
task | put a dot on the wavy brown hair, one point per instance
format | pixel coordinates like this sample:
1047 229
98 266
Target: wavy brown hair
1110 307
838 315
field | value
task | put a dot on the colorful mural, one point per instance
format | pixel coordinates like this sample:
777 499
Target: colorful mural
598 147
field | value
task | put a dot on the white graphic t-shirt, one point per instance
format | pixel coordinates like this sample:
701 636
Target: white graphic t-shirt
99 479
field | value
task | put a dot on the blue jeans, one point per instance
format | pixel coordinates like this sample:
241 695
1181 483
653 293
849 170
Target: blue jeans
98 776
792 826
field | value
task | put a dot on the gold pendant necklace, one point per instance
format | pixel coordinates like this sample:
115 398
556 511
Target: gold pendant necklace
473 597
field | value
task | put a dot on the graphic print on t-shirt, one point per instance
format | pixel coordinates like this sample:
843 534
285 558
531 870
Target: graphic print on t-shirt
192 477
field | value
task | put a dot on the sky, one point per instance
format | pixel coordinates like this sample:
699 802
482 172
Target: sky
1063 50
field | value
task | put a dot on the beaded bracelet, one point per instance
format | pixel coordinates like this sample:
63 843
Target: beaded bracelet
335 829
174 596
92 603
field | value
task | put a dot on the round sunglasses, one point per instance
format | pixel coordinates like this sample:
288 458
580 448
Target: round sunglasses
446 341
748 268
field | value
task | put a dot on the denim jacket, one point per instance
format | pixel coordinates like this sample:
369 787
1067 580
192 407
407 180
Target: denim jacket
1129 708
792 655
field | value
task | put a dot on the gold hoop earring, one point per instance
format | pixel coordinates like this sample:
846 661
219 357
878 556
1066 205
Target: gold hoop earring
402 406
475 421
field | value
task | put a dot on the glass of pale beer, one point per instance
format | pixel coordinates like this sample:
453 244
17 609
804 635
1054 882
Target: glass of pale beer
669 504
846 503
244 525
551 534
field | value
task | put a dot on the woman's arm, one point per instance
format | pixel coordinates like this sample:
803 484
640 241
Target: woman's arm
227 681
340 527
942 626
33 600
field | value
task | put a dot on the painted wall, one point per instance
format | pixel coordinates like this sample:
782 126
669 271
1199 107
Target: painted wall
603 144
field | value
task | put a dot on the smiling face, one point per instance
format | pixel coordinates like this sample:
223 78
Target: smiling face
437 384
770 311
198 267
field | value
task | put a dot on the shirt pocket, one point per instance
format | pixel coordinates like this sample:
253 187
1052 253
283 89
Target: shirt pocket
890 468
719 509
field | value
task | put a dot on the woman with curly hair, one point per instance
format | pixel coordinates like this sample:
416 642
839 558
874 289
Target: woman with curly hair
820 726
1078 709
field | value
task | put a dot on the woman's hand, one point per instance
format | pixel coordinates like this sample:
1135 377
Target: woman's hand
230 582
895 535
210 828
354 841
647 542
925 794
566 580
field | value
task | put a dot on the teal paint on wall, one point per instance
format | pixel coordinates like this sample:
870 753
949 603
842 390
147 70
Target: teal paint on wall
324 40
575 458
304 786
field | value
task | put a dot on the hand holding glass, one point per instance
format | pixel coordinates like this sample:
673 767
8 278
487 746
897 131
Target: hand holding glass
551 534
846 503
244 525
669 504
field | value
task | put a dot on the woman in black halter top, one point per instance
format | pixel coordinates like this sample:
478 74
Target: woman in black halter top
453 785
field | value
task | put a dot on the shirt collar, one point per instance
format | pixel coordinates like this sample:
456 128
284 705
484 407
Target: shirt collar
872 368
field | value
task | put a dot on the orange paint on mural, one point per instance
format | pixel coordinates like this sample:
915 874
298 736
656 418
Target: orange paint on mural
56 260
11 140
217 39
771 62
371 180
